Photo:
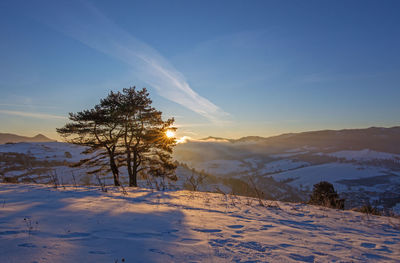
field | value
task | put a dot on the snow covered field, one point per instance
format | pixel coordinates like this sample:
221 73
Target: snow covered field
361 176
365 155
52 151
42 224
331 172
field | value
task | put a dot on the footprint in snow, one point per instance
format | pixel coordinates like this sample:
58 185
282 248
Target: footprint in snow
253 246
266 227
368 245
302 258
235 226
285 245
190 240
384 249
373 256
27 245
221 242
207 230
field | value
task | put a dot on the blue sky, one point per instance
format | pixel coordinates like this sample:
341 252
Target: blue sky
222 68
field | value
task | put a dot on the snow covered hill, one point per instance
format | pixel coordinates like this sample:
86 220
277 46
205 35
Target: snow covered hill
39 161
363 165
83 224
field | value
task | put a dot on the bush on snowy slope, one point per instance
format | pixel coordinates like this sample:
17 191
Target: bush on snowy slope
324 194
368 209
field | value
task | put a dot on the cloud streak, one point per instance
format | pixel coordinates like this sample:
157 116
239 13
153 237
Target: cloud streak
85 23
27 105
32 115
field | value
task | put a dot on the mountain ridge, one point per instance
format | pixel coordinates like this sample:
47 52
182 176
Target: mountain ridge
377 138
258 138
14 138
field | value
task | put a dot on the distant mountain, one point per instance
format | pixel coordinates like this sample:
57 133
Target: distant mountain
374 138
212 138
13 138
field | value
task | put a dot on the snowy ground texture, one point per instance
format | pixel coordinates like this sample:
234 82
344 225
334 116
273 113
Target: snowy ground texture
42 224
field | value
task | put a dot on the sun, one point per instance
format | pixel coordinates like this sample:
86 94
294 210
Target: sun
170 134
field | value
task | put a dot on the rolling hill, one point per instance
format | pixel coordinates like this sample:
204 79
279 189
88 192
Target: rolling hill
13 138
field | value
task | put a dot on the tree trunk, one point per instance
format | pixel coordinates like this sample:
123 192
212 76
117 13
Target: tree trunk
114 169
113 166
134 170
132 179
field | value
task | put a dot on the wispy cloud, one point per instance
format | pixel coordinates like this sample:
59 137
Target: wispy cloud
32 114
85 23
26 105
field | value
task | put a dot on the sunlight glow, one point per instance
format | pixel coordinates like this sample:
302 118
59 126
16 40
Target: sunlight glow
183 139
170 134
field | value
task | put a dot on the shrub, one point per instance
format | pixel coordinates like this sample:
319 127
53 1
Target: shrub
368 209
12 180
324 194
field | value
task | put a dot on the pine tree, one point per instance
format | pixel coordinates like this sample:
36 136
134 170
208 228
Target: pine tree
127 130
